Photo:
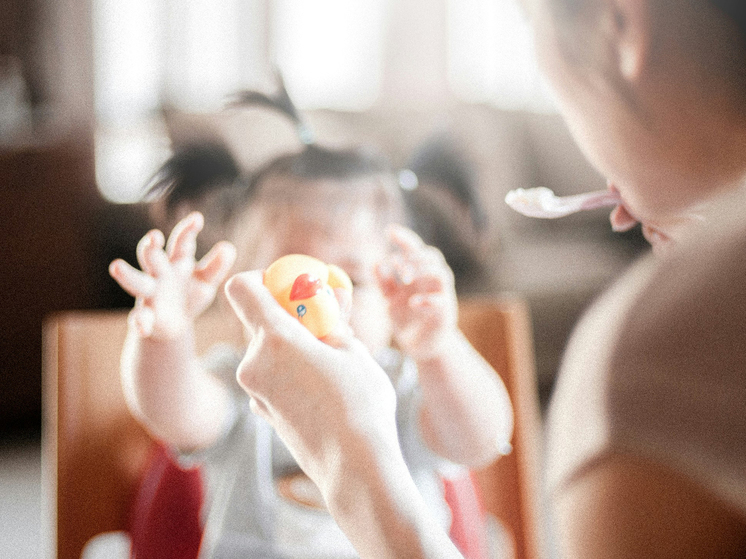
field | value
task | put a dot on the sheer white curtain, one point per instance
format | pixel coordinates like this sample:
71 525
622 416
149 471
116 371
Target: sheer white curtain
330 51
491 57
190 54
128 73
338 54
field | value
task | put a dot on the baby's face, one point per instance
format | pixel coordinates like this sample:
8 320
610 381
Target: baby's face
326 222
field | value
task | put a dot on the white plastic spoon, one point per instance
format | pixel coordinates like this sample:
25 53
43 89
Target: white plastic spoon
542 202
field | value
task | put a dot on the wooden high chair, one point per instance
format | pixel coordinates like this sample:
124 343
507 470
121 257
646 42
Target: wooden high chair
94 451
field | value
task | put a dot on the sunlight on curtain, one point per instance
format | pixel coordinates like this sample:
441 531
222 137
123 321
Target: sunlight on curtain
330 51
491 56
128 66
189 54
212 49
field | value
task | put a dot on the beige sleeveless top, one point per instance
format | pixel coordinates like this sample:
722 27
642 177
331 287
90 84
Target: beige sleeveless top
657 368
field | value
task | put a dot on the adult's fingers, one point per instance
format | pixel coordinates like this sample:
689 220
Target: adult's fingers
344 299
182 242
150 253
259 408
342 337
215 265
132 280
255 306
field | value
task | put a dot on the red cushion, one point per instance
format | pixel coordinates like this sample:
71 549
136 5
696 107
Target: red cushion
165 517
468 522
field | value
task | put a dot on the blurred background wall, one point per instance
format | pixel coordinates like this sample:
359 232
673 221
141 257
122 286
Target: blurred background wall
85 85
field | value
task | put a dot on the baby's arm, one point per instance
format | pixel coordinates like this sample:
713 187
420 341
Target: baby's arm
164 385
466 415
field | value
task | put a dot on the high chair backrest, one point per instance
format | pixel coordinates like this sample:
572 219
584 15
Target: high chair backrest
500 329
94 451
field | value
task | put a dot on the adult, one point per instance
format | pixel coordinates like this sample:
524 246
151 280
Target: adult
646 452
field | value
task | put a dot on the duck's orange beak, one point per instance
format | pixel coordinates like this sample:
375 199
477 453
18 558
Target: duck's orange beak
305 286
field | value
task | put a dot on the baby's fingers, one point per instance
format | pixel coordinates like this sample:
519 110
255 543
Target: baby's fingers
133 281
405 239
150 253
142 318
182 242
426 302
215 265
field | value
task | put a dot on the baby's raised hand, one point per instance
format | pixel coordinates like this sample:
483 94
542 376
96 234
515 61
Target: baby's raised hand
419 286
172 289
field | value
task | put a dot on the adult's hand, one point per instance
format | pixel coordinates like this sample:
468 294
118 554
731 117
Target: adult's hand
334 407
321 397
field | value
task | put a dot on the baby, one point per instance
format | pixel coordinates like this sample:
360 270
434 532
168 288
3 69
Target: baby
338 206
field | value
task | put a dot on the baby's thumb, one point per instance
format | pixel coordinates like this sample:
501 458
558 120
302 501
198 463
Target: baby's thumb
143 320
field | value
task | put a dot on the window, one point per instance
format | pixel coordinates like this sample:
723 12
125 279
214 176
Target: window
330 51
191 54
491 57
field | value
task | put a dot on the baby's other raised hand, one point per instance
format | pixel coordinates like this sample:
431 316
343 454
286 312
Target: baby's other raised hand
172 289
419 286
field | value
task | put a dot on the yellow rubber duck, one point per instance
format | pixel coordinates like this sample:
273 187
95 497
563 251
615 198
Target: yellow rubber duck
304 286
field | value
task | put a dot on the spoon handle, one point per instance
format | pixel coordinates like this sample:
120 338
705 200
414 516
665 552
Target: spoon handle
594 200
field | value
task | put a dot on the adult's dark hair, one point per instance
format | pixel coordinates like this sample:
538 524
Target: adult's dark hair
736 10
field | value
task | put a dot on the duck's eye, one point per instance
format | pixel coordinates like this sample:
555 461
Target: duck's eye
301 310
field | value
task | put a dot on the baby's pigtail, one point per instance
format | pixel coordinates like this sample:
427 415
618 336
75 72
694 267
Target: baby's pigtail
191 172
280 102
439 187
439 164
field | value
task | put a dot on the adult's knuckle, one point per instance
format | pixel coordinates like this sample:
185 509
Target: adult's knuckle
276 340
246 374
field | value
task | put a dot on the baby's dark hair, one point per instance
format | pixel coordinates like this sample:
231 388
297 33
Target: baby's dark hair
193 171
314 161
439 162
445 210
318 162
198 169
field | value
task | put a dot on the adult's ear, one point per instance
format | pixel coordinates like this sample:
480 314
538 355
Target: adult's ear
633 29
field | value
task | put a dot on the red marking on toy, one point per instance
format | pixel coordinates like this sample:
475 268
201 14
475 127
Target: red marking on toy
305 286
